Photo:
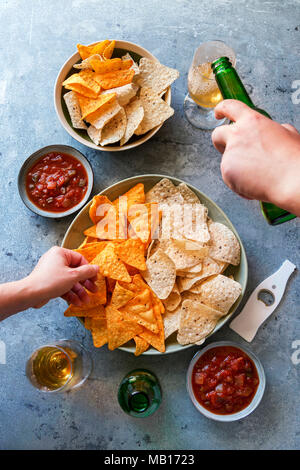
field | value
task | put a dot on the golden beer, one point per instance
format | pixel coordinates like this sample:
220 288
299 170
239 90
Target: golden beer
202 86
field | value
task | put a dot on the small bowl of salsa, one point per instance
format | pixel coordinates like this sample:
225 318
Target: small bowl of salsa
225 381
55 181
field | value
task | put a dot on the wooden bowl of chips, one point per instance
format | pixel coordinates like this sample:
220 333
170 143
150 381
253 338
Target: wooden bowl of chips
74 237
121 48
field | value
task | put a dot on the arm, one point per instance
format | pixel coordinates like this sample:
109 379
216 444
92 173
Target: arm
59 273
261 158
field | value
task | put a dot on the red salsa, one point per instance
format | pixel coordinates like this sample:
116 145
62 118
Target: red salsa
57 182
224 380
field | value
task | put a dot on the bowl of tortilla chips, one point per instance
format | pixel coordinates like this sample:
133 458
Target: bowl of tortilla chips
157 293
113 95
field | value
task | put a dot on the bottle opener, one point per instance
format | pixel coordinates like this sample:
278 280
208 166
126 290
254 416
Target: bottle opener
256 311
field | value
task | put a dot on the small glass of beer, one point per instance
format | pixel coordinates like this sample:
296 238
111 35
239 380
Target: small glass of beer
59 367
204 93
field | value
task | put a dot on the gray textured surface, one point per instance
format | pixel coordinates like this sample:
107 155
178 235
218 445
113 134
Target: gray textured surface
36 38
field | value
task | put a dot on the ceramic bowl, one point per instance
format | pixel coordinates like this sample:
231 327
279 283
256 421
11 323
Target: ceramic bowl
256 399
28 164
74 237
122 47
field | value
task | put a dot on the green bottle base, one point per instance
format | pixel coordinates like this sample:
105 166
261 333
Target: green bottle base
274 215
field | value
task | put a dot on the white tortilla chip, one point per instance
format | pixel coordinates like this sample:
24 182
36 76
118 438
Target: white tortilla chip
160 274
114 130
188 195
124 93
134 115
161 191
154 75
224 245
72 104
94 134
209 268
196 322
171 321
134 66
174 299
109 112
219 292
156 111
182 258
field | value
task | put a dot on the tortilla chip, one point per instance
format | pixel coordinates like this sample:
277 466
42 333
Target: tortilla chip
157 340
108 51
114 79
124 93
171 321
103 116
219 292
120 328
140 309
161 191
188 195
134 66
83 83
155 75
144 219
156 111
209 268
110 65
85 311
135 195
196 322
132 252
141 345
181 257
74 110
99 207
173 300
86 64
134 115
98 328
110 265
114 130
160 274
91 108
224 245
87 51
120 296
91 250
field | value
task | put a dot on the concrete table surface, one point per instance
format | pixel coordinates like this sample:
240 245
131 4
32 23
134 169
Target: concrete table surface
36 38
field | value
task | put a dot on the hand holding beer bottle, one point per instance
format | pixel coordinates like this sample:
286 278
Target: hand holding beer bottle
261 158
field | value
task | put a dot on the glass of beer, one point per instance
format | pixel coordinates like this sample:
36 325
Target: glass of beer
59 367
204 93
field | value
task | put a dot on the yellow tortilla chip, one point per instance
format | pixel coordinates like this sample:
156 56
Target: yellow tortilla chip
84 311
87 51
141 345
110 265
141 310
108 51
144 219
83 84
101 202
110 65
120 328
120 296
90 108
90 250
114 79
132 252
157 340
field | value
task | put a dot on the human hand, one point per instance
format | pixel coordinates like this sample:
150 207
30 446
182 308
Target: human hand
261 158
62 273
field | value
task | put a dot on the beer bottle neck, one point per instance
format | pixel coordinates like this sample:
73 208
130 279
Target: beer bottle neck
229 82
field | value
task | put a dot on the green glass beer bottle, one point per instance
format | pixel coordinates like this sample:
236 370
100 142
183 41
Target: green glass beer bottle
139 393
232 87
